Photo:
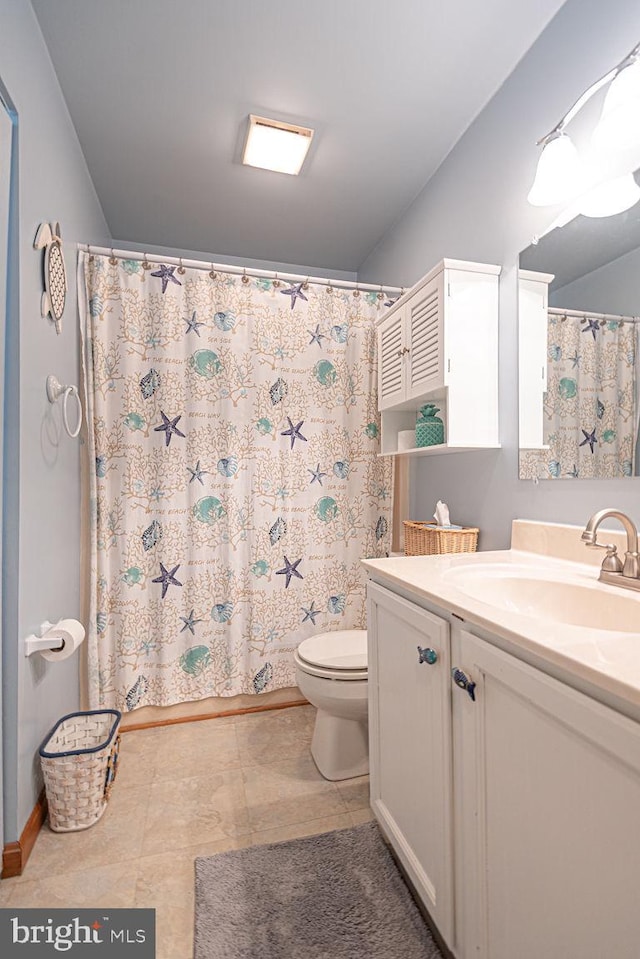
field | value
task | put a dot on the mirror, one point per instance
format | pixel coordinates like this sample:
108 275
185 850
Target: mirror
578 327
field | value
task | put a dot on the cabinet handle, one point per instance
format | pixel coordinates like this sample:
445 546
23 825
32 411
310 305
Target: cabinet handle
427 655
463 682
406 350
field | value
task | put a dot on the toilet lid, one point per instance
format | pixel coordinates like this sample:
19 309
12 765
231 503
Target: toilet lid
342 649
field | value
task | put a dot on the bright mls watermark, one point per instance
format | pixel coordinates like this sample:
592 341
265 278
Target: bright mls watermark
79 933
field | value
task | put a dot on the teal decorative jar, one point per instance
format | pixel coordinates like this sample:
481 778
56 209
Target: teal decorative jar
429 427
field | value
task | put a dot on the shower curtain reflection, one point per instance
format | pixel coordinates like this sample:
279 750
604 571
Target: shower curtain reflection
589 413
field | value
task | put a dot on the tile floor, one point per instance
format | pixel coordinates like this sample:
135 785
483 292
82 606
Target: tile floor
192 789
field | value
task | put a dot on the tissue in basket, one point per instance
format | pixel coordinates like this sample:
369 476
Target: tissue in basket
425 539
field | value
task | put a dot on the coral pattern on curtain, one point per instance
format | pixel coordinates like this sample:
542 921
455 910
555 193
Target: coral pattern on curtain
233 428
589 407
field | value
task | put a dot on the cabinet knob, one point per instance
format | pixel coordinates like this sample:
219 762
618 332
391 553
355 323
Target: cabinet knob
427 655
463 682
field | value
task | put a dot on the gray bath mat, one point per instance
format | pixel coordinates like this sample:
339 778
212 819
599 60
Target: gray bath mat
334 896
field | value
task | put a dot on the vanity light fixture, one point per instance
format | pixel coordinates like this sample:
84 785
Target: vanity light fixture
563 176
273 145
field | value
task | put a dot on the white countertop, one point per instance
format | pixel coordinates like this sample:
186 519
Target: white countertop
605 659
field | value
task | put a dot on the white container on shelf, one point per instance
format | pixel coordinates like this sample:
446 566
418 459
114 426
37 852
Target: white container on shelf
406 440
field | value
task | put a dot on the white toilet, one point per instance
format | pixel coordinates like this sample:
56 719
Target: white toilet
331 672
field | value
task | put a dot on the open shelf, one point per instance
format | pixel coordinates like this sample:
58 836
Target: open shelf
436 450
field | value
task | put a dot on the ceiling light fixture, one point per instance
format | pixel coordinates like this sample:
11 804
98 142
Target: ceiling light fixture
601 181
273 145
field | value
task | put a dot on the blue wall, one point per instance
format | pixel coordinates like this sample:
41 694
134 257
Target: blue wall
41 574
475 208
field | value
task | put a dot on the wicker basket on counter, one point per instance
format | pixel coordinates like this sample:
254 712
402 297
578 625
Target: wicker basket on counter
426 539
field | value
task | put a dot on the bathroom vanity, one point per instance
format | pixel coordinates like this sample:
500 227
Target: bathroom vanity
504 713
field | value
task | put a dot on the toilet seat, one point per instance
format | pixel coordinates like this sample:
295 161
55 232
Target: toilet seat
339 655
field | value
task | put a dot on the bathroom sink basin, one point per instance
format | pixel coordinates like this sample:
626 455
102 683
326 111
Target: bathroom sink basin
547 594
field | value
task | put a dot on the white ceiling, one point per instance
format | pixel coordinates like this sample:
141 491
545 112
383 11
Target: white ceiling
159 92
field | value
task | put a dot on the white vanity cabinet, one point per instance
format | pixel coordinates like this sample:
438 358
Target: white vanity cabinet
410 734
549 801
439 343
516 811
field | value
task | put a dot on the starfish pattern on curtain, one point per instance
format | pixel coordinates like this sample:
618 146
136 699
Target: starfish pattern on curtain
235 478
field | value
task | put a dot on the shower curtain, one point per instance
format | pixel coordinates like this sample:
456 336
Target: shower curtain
589 407
233 436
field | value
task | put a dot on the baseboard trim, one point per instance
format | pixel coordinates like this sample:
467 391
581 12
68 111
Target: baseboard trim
214 715
16 854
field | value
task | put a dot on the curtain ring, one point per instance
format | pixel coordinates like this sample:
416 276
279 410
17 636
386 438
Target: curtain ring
356 292
305 285
145 263
329 287
112 259
181 269
380 294
212 272
276 281
245 278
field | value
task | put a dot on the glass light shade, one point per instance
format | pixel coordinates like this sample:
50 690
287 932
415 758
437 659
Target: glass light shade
619 124
614 196
273 145
558 173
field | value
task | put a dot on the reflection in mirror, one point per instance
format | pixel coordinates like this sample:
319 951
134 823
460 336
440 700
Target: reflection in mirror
579 306
6 131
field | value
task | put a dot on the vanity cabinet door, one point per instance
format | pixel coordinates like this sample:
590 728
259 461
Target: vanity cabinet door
410 743
550 800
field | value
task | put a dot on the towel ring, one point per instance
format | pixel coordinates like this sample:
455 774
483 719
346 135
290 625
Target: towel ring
55 390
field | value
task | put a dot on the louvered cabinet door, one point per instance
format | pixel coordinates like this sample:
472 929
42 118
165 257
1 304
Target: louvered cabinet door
391 361
426 339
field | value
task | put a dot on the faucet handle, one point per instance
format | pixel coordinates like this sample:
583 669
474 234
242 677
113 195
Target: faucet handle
612 562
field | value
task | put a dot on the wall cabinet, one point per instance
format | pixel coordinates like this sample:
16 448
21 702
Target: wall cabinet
533 314
539 812
439 343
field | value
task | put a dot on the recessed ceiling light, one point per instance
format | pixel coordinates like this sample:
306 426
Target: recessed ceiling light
273 145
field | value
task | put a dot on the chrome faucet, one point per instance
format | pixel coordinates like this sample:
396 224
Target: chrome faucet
613 570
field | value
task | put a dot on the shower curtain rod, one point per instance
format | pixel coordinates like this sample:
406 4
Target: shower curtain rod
588 314
240 270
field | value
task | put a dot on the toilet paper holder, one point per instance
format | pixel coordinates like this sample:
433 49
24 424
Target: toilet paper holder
35 644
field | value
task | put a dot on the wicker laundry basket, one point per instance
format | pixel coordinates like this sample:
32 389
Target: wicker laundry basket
426 539
79 760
